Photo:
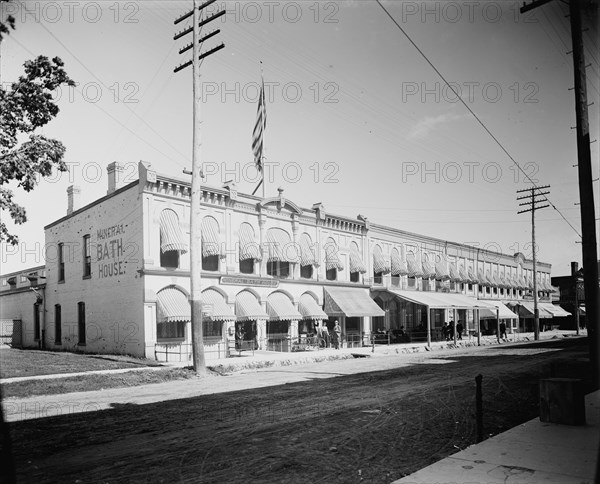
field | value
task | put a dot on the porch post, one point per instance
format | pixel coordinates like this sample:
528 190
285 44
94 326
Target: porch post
428 327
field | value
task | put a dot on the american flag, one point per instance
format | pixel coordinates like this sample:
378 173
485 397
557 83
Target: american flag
259 128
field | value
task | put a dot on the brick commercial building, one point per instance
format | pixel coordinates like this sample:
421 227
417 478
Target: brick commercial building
116 277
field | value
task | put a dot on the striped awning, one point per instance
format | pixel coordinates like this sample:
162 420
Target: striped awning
218 309
380 262
472 276
500 310
483 280
428 269
280 247
211 242
332 256
247 307
526 310
455 273
554 309
440 300
398 265
307 256
173 305
171 236
493 278
309 308
249 248
356 263
529 282
414 266
502 281
464 276
441 269
280 308
350 302
523 282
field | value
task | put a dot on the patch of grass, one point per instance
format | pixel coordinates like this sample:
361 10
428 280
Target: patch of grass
32 362
87 383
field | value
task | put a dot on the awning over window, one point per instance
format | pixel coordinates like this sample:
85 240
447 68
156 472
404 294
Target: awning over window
280 247
414 266
483 280
493 278
555 310
249 248
380 262
309 308
332 256
505 313
472 276
398 265
356 263
525 309
522 282
215 307
211 242
350 302
455 274
428 270
247 307
171 236
439 300
464 276
441 269
307 256
280 308
173 305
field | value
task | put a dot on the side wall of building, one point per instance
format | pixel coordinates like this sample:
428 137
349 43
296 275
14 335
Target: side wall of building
99 308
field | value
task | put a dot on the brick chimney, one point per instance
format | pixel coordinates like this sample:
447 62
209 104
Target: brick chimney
574 268
116 178
73 199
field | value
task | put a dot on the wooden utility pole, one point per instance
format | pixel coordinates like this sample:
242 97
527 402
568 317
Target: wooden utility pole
532 208
586 187
197 175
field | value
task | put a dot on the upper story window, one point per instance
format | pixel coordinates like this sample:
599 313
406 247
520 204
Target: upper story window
282 252
212 250
249 251
333 261
172 240
307 256
87 256
61 262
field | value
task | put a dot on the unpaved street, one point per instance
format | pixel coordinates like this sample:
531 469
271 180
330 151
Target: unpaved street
406 412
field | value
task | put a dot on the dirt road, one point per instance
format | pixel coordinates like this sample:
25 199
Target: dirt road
404 414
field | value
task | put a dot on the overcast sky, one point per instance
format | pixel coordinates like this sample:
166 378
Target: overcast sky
357 119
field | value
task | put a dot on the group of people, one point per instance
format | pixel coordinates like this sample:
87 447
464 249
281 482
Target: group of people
333 339
448 330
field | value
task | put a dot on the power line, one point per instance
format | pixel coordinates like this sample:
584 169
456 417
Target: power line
470 110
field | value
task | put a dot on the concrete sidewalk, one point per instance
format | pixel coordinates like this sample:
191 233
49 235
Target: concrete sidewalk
534 452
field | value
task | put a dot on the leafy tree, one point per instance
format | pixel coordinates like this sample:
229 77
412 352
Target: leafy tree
24 107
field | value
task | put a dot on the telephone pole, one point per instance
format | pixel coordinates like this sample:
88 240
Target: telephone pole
533 206
197 175
586 188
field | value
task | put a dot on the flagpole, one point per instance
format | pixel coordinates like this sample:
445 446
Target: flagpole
262 78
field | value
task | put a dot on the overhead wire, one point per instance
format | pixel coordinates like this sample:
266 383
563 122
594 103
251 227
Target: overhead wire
481 123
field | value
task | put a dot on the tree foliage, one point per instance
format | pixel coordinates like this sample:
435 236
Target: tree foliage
24 108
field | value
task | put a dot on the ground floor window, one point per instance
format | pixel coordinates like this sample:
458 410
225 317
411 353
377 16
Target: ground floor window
307 326
57 324
212 328
170 330
277 328
36 321
81 322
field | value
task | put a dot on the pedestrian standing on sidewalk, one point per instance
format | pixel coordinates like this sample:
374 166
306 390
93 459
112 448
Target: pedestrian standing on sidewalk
459 330
337 335
325 334
503 331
